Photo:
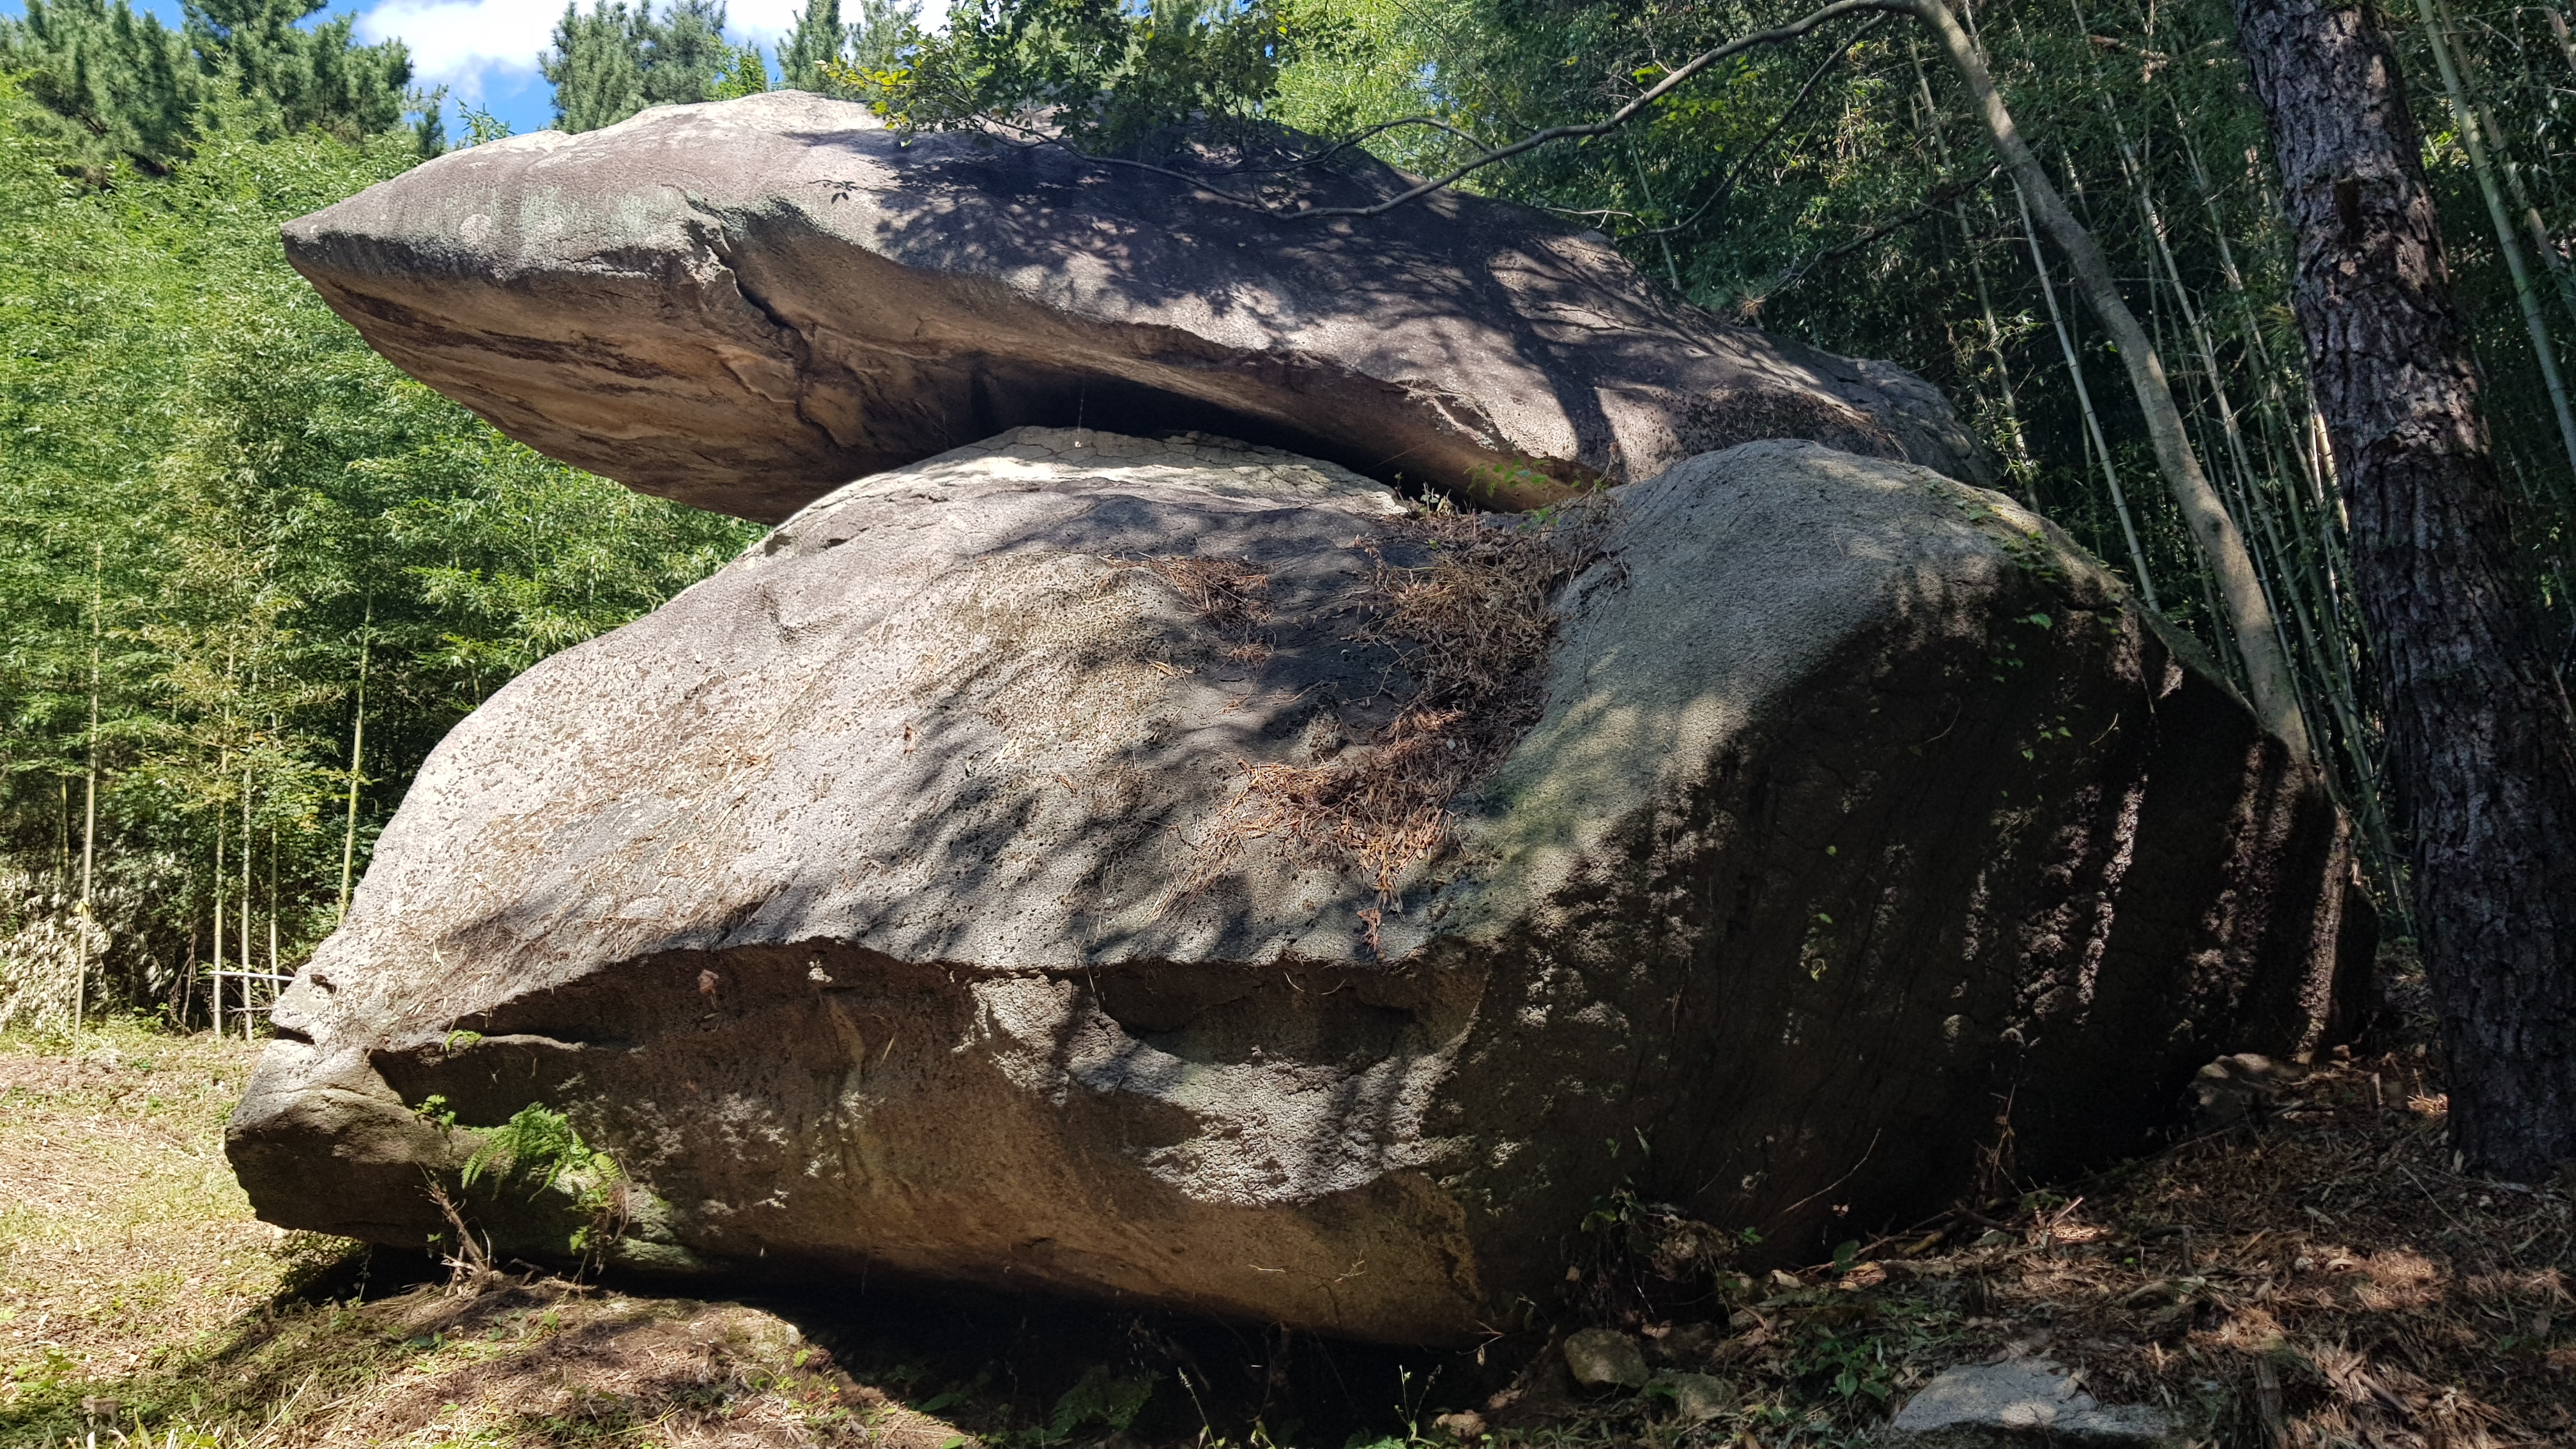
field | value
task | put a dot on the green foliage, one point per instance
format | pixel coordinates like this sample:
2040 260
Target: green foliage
539 1145
865 60
1101 75
114 85
1100 1398
263 497
1839 191
816 36
481 126
613 61
685 55
748 77
597 65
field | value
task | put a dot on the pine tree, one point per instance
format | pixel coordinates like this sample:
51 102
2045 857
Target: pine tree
114 83
685 55
884 36
613 62
816 37
318 77
2479 734
123 85
597 66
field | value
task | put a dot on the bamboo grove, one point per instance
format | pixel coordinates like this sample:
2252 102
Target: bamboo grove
1844 194
251 573
235 515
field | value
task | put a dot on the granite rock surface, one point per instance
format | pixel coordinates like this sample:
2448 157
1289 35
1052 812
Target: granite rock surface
899 899
743 305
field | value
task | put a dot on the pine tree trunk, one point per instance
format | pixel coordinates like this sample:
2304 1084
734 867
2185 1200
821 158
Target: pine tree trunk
2482 744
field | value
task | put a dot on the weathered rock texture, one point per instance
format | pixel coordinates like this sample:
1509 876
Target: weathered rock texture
2019 1401
862 899
744 305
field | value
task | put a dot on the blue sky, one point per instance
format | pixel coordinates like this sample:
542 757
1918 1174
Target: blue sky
485 51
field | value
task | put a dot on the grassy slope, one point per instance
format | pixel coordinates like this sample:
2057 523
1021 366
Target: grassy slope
2317 1277
137 1292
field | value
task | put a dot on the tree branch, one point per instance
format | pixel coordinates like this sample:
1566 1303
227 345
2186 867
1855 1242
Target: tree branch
1788 113
1931 204
1487 155
1620 117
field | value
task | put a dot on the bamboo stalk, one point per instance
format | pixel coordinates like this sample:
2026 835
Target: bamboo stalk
89 798
2316 586
2021 466
357 744
244 940
2248 482
2540 241
223 771
2248 615
2542 350
2096 447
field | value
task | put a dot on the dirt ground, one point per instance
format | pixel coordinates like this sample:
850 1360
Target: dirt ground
2305 1270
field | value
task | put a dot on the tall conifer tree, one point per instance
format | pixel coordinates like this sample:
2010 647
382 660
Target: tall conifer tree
120 84
685 55
597 66
612 62
816 37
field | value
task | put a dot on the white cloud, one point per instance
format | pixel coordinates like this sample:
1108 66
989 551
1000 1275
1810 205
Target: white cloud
766 21
457 43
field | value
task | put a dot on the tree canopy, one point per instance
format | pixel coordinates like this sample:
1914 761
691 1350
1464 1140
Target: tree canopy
113 84
610 62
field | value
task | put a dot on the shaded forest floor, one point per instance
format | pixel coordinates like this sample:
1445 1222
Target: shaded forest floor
2315 1274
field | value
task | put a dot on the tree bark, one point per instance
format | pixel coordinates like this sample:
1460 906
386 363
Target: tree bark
2481 741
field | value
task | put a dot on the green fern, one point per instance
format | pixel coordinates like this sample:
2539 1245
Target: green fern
542 1145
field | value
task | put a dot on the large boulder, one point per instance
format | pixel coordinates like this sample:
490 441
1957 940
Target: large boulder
1139 870
744 305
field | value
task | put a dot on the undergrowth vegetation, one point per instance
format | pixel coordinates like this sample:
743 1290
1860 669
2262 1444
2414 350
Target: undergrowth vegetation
2306 1269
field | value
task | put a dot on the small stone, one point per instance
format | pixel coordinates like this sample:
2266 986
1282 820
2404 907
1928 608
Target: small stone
1604 1358
2234 1088
1698 1398
1465 1426
2024 1395
1684 1345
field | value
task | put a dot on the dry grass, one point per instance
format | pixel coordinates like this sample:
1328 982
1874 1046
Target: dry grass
1472 626
2314 1276
1232 596
120 1223
140 1302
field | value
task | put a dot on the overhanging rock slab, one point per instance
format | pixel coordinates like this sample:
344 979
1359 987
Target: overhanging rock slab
743 305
